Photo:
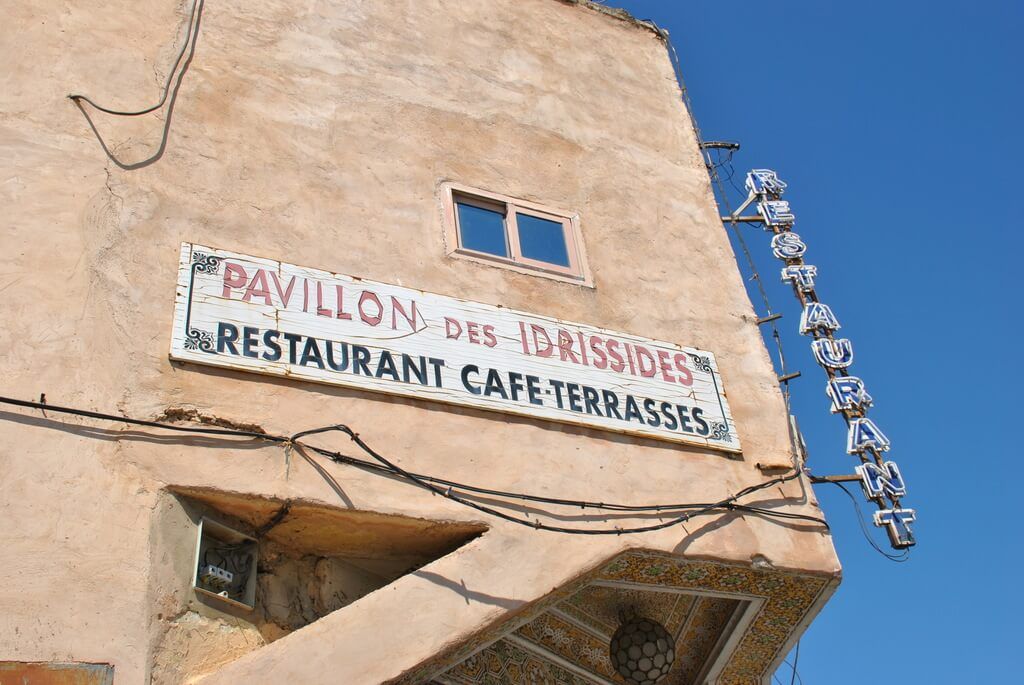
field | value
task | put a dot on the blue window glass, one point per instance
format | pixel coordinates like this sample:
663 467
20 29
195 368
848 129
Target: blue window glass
542 240
482 230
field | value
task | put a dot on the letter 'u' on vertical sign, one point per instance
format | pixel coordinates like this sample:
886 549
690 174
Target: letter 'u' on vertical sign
833 354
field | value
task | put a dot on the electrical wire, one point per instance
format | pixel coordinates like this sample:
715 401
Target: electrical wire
190 36
796 660
899 558
428 482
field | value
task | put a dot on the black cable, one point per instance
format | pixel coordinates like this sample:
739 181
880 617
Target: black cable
796 660
426 482
189 37
142 422
899 558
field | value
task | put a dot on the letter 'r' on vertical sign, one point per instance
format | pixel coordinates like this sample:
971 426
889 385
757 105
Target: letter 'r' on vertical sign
848 394
762 182
788 246
818 316
801 275
833 353
864 434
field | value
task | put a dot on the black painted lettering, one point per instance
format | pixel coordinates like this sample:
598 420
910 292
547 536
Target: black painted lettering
226 337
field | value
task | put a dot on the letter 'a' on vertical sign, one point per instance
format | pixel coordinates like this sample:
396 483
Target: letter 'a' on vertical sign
898 522
848 394
818 316
879 481
863 434
788 246
833 353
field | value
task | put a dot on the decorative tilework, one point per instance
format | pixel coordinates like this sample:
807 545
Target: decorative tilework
598 606
503 663
699 636
570 642
787 599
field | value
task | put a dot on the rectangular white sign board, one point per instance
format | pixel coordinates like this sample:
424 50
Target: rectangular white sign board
260 315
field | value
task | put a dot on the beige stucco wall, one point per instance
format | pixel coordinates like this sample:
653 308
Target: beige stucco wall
318 133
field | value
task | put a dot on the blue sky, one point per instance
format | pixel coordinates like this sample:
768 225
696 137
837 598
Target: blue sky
897 127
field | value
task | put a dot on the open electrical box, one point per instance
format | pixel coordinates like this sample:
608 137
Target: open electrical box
225 566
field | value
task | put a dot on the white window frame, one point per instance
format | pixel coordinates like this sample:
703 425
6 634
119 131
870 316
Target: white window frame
577 272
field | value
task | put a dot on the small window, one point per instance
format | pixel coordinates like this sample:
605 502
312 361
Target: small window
520 235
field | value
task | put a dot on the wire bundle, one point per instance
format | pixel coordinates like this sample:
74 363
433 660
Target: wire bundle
454 490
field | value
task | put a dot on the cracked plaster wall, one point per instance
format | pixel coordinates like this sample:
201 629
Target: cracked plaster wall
317 132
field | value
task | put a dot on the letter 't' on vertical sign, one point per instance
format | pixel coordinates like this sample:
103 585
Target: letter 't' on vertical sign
898 523
269 317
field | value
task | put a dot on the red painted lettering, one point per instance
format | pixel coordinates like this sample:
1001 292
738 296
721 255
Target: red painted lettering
549 349
665 366
629 358
234 277
565 352
320 309
396 308
644 355
489 338
339 293
601 359
617 364
374 319
685 377
258 288
449 325
287 294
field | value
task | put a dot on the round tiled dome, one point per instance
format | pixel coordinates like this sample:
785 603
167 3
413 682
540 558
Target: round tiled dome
642 651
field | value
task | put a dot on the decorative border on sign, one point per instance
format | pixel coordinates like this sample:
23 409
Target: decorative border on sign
719 429
197 339
789 601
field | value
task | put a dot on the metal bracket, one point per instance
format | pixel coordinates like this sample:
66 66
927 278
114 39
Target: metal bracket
835 479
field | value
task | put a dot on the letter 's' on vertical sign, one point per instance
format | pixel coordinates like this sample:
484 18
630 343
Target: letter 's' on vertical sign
263 316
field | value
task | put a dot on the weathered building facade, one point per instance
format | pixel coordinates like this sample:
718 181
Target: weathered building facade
519 165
